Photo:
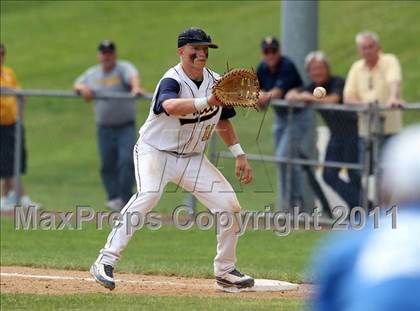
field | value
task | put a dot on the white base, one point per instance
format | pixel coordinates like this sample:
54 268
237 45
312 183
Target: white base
262 285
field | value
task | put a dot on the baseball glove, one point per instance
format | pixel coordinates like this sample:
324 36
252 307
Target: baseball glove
238 87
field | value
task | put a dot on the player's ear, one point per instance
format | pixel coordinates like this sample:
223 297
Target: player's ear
181 51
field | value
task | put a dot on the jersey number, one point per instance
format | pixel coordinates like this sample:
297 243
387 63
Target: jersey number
207 132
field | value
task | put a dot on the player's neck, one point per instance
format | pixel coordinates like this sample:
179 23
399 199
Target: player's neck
193 73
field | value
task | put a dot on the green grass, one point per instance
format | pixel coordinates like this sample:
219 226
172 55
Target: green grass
167 251
140 302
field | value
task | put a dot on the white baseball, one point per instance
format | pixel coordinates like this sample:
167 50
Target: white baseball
320 92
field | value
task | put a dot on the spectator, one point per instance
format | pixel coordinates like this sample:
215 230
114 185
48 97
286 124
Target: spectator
115 120
343 143
379 269
8 120
375 78
277 75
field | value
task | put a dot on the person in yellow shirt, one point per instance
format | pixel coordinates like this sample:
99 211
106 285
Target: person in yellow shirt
8 119
375 78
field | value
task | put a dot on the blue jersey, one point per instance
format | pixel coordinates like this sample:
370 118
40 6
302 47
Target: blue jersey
372 269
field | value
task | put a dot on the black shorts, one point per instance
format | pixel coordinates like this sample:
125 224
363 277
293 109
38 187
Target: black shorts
7 151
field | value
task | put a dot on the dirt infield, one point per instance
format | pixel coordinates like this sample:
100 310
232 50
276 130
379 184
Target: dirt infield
62 282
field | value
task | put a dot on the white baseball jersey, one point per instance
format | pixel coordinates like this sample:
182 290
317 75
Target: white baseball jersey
188 133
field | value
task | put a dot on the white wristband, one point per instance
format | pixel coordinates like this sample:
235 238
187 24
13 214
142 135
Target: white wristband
201 103
236 150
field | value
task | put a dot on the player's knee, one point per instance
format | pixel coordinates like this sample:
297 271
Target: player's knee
233 205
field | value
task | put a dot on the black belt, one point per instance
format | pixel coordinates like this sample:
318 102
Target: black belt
182 155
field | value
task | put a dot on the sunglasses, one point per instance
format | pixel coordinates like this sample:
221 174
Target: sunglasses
270 51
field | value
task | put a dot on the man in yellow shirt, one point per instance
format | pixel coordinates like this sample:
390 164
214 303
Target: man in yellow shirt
8 119
375 78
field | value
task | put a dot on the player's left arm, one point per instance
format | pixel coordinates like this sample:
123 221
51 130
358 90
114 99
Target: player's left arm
228 135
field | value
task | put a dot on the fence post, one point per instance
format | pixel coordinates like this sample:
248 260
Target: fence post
288 187
366 152
377 145
18 149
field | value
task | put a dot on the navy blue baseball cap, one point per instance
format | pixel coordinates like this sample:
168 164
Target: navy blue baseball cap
270 42
195 36
106 46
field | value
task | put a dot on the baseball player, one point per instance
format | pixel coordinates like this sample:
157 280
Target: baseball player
183 115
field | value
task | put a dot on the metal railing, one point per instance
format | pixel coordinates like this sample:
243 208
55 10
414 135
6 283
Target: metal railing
371 148
372 112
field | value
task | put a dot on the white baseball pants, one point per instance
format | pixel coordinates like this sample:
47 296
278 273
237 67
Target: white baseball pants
154 169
